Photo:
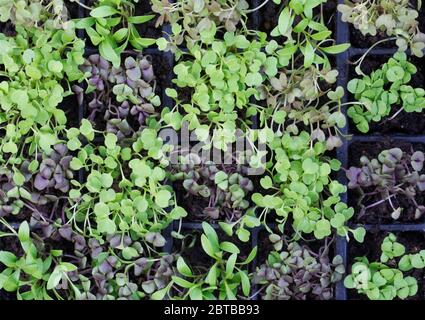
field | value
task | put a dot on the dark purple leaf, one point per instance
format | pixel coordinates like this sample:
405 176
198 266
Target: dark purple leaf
66 232
40 183
134 74
417 160
353 175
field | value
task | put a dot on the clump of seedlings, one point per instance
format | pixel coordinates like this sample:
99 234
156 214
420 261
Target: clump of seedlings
304 70
121 269
125 190
383 181
21 272
383 88
300 189
55 171
226 278
222 190
302 92
36 64
10 202
34 188
36 199
297 272
112 27
397 19
29 13
124 97
116 268
383 280
224 75
304 30
263 69
287 114
191 19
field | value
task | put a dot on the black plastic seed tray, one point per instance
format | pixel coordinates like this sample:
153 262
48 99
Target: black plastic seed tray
343 64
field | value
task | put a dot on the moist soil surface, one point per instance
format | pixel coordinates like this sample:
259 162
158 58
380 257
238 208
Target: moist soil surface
70 106
381 214
412 123
74 9
147 29
371 248
358 40
162 69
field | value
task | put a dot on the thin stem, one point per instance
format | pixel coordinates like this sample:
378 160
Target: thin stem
379 202
360 60
257 8
396 114
83 5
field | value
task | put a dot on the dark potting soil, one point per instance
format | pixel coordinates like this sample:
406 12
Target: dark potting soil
194 205
11 244
329 14
184 94
8 29
358 40
253 18
269 17
264 246
371 248
412 123
74 9
190 248
7 296
147 29
161 68
381 214
70 106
